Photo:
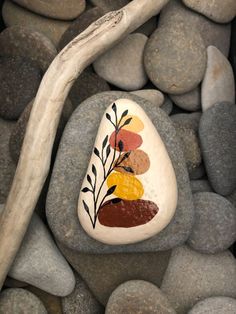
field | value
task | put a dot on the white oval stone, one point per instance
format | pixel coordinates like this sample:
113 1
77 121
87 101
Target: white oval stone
143 186
218 83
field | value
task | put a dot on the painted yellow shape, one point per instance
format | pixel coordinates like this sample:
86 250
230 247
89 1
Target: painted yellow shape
135 125
127 186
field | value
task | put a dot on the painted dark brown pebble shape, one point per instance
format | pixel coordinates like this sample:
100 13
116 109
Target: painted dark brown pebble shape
126 214
130 140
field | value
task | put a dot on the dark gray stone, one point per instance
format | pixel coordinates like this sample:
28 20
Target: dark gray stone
214 228
175 58
81 300
200 186
20 79
104 272
138 296
28 43
190 101
217 132
187 120
20 301
109 5
71 165
198 173
215 305
192 276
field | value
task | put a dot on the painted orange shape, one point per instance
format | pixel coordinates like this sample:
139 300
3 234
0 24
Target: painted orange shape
128 187
135 125
130 140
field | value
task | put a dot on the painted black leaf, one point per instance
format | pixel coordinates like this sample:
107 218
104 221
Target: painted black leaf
128 169
94 170
108 150
105 142
85 190
124 113
111 190
89 179
116 200
120 145
86 206
96 152
125 156
127 121
114 107
108 116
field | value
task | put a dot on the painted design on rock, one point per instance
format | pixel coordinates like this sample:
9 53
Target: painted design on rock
113 194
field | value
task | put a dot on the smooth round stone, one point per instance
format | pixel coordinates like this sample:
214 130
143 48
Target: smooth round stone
146 205
81 300
187 120
192 276
109 5
20 301
218 11
79 25
198 173
190 101
20 81
215 305
104 272
138 296
219 148
214 228
175 58
218 35
218 83
122 65
70 169
7 166
153 95
14 14
85 86
57 9
26 42
200 186
40 263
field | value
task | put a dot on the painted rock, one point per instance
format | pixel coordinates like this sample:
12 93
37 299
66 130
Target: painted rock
129 193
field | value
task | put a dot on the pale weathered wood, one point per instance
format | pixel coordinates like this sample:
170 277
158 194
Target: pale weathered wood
35 156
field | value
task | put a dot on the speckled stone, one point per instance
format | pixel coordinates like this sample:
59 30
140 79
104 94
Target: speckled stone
7 166
167 106
187 120
57 9
175 58
79 25
217 10
192 276
138 296
232 198
40 263
153 95
28 43
200 186
20 301
13 14
215 305
122 65
218 84
81 300
218 35
104 272
85 86
214 228
190 101
71 165
20 79
219 146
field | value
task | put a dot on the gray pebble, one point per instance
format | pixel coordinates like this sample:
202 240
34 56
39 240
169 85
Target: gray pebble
200 186
215 305
190 101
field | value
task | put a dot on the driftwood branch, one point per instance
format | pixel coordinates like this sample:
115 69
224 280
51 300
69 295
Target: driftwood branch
34 162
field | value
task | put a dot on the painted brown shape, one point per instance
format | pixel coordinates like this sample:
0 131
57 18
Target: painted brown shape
138 161
126 214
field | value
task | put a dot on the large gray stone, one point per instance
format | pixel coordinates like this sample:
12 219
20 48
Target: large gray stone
71 165
192 276
217 132
215 305
28 43
122 65
214 227
20 301
138 296
104 272
175 58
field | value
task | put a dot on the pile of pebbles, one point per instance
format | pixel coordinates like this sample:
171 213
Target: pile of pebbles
180 67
